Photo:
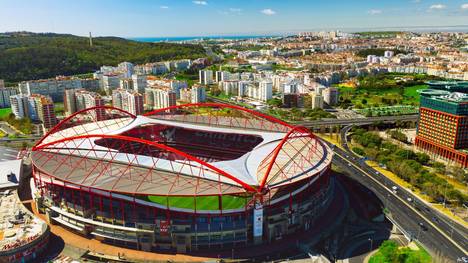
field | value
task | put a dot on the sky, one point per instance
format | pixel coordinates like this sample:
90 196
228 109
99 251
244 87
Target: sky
167 18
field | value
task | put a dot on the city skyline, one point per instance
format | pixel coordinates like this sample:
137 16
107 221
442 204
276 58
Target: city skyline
208 18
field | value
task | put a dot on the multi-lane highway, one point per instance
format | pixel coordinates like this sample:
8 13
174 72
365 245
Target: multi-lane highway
332 122
437 232
357 121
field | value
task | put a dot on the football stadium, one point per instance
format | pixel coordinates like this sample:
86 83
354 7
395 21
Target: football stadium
184 178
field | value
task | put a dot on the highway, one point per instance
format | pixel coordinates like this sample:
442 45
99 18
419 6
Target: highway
438 233
341 122
357 121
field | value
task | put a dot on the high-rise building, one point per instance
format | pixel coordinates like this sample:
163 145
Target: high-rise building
205 77
177 85
330 96
229 87
126 68
126 84
49 87
290 87
139 83
443 126
69 101
110 83
5 94
158 98
80 99
198 94
91 84
36 107
44 106
222 76
87 99
317 101
265 90
20 106
2 83
128 100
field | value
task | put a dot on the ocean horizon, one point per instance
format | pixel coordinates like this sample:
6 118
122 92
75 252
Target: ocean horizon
178 39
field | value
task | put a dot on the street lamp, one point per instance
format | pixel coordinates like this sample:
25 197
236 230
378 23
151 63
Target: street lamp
445 193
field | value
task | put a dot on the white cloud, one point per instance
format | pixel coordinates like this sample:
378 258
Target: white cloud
416 1
164 7
437 7
464 6
235 10
200 2
268 12
375 12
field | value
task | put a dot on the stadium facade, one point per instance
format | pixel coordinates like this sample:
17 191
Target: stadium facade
183 178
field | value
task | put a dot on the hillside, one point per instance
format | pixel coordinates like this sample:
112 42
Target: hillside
25 56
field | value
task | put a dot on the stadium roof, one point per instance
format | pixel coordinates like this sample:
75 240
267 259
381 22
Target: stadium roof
167 152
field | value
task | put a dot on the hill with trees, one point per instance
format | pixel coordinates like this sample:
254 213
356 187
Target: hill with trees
26 56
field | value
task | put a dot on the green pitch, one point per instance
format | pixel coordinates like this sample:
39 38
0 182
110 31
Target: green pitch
203 202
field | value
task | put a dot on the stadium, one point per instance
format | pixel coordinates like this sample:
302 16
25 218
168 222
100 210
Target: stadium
184 178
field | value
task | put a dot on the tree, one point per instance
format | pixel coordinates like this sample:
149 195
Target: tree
389 250
275 102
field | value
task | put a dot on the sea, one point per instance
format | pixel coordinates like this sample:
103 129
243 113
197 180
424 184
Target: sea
180 39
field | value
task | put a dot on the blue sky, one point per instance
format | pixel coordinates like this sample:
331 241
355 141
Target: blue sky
152 18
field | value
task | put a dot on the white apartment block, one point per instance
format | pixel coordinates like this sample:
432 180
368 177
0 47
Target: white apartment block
331 96
205 77
317 101
139 83
20 106
158 98
110 83
128 100
265 90
80 99
54 88
198 94
126 84
126 68
5 94
222 76
229 87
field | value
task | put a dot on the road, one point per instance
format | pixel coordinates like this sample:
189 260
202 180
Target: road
452 228
441 236
332 122
357 121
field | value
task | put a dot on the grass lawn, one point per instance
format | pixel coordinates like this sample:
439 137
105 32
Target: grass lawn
420 255
5 112
203 202
365 98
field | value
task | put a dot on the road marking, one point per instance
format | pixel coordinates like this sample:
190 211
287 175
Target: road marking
401 199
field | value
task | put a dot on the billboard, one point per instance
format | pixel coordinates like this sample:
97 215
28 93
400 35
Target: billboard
164 227
258 221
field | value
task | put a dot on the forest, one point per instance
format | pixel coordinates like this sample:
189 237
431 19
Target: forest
27 56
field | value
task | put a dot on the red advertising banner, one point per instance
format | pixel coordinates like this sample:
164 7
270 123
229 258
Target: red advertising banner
164 227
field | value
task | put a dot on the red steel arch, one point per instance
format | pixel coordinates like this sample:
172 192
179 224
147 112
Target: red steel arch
247 187
221 105
62 122
291 131
278 149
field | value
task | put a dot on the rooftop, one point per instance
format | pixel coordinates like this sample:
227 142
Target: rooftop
9 173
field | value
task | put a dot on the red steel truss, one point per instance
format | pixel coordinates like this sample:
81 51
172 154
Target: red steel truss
129 165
